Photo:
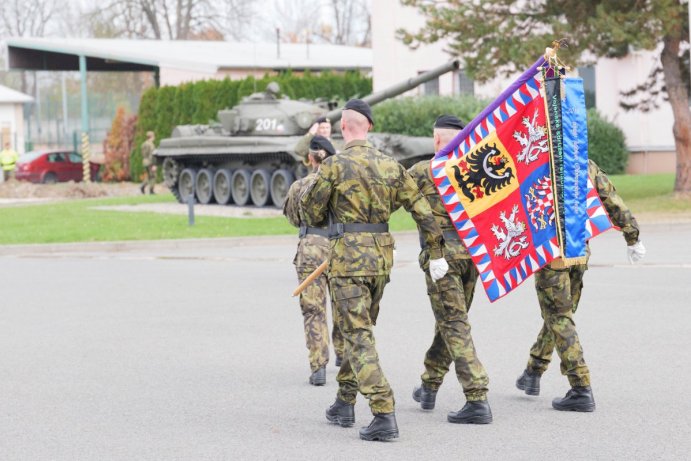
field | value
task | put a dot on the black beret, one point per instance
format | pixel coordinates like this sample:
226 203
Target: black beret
358 105
322 120
449 121
321 143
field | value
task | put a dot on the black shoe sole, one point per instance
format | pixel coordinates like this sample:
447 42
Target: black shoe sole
583 408
317 382
425 405
528 390
343 421
470 420
380 436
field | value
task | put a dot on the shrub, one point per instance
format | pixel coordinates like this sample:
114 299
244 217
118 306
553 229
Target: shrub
118 145
415 116
606 144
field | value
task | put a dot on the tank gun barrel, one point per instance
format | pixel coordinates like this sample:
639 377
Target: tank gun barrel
401 87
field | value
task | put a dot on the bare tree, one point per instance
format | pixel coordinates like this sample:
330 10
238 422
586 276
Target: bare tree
351 22
345 22
26 18
298 20
175 19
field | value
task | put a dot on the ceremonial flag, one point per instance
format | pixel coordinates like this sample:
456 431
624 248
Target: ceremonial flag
497 180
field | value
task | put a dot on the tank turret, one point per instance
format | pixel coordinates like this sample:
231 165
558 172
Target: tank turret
249 155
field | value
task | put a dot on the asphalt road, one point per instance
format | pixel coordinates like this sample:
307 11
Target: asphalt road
193 350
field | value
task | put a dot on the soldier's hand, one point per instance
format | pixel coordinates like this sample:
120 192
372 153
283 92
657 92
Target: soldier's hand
314 128
636 252
438 268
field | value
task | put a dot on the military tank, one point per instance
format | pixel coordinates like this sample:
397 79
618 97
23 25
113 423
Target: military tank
249 155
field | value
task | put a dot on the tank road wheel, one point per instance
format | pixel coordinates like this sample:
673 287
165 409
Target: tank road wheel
240 187
280 183
171 172
205 186
186 183
261 187
222 186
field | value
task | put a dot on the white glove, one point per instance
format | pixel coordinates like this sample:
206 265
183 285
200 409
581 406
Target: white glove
635 252
438 268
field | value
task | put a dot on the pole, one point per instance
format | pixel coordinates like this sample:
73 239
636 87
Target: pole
86 169
190 209
310 278
278 43
64 107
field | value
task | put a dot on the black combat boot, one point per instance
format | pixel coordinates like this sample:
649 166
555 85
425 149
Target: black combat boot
529 382
341 413
425 396
577 399
339 360
383 427
318 378
477 412
143 188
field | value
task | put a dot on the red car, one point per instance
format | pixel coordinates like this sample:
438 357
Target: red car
49 167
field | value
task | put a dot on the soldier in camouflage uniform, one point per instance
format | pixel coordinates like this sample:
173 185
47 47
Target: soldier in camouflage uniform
356 191
147 150
313 249
558 291
450 298
321 127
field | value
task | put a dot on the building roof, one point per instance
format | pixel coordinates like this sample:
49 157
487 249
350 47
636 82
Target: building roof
10 95
200 56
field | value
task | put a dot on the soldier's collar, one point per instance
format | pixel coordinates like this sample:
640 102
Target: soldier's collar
357 142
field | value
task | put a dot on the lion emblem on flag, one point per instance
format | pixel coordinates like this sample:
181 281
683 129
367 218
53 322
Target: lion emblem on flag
482 172
511 238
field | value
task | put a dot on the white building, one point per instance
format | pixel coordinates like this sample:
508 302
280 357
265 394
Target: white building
177 61
12 118
648 135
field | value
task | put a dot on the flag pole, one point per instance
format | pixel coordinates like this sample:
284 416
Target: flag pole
310 278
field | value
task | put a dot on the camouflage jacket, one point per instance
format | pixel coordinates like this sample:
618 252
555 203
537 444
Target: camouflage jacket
147 152
303 146
617 210
312 249
362 185
453 248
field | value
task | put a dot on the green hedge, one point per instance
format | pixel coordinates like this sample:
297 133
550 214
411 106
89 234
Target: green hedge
606 144
161 109
415 116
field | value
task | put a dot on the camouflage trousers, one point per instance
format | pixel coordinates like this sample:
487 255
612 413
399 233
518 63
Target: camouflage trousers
313 306
356 302
559 291
150 178
451 298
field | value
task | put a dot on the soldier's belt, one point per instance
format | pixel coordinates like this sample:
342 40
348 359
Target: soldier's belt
449 236
338 229
304 230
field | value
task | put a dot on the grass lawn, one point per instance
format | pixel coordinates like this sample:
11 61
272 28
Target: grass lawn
78 221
